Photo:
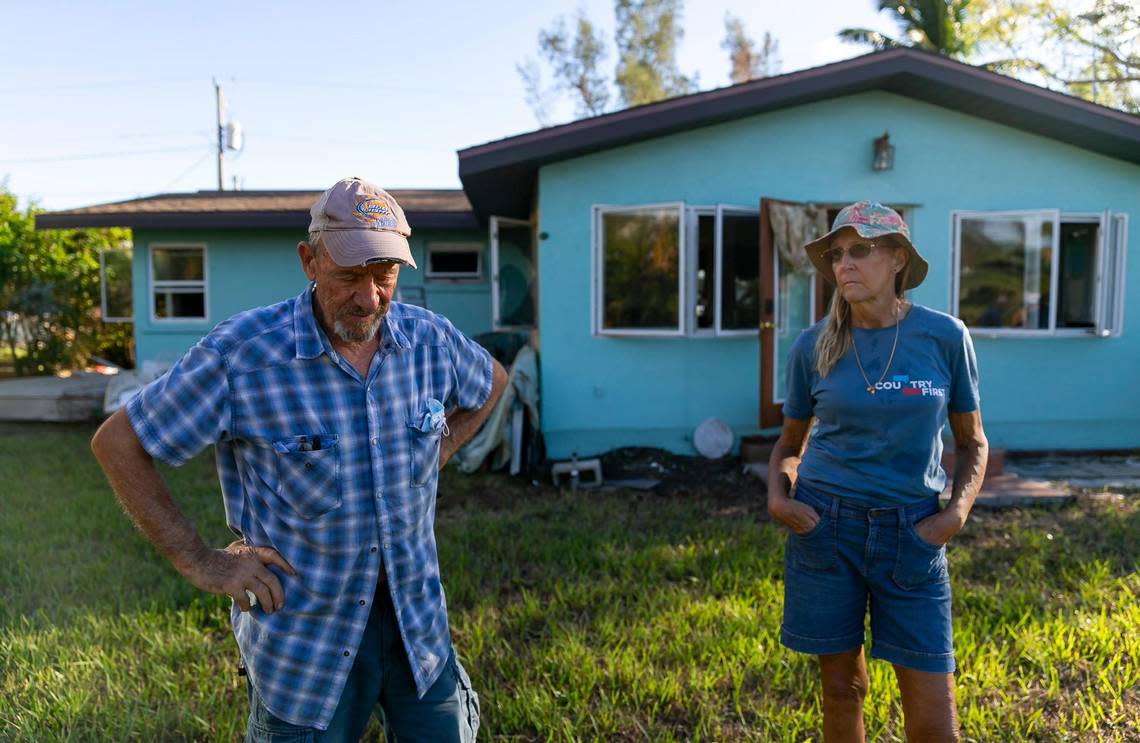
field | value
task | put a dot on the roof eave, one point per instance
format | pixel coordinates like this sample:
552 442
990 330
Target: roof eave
231 220
499 176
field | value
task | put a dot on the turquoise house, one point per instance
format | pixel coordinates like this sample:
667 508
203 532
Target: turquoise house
199 258
657 249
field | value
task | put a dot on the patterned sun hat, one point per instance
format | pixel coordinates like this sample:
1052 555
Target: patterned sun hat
870 219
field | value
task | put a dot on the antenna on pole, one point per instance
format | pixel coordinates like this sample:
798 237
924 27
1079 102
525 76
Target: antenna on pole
221 132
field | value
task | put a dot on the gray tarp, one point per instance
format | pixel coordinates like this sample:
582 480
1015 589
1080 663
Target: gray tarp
495 437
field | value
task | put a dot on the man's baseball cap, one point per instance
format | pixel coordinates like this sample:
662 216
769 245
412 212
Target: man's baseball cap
361 223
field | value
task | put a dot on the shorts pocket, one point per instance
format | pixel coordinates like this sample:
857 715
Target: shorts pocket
308 479
818 549
919 562
468 704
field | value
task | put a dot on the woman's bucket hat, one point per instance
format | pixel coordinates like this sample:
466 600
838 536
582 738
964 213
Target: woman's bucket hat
870 219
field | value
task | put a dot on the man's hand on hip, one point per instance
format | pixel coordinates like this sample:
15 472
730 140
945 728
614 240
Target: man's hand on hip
238 571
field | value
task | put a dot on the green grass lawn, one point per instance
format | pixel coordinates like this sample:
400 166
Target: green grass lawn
601 617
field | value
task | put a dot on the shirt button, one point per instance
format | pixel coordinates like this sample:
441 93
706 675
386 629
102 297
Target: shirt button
372 550
375 441
308 465
362 602
346 653
387 546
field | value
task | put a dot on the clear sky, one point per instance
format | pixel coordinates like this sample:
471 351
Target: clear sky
113 100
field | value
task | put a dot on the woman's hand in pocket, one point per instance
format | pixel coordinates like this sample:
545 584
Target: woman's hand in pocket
799 517
938 528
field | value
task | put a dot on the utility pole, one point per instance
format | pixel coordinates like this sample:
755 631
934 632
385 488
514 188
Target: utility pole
221 133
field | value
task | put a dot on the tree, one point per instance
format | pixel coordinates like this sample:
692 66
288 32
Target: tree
576 63
1094 55
50 292
932 25
746 62
646 39
647 36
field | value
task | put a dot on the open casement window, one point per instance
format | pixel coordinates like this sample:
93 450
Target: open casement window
639 270
513 274
1110 275
724 263
1038 272
115 285
178 282
737 270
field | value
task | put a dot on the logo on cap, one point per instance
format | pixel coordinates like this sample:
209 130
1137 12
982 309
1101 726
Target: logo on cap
375 212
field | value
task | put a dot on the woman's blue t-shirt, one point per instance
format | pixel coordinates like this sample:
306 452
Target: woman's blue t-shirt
885 448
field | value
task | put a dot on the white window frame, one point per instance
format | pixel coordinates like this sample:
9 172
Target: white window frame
154 286
692 264
691 249
734 210
1111 263
597 270
103 288
496 310
956 217
454 247
1109 224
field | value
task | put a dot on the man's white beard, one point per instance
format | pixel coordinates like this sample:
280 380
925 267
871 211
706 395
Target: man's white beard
350 335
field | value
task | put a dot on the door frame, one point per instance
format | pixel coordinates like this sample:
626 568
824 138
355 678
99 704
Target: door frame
493 229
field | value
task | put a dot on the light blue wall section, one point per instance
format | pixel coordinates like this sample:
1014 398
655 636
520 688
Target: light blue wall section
466 302
250 268
599 393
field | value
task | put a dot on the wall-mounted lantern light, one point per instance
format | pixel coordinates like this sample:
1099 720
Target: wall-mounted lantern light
884 153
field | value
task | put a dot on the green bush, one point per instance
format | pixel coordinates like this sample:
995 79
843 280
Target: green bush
49 289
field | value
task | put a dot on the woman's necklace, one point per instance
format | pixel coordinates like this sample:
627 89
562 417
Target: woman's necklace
871 387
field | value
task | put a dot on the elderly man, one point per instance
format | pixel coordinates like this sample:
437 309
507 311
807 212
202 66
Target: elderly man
331 414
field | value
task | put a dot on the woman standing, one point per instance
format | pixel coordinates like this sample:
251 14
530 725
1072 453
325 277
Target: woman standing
881 377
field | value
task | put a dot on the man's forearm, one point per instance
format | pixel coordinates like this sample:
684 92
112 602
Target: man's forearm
144 496
464 424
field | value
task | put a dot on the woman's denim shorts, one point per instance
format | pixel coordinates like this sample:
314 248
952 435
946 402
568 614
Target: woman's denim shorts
856 555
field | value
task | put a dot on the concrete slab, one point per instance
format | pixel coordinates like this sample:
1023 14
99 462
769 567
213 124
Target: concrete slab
1092 471
53 399
1011 491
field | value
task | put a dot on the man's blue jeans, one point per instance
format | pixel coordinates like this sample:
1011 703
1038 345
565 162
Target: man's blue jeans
448 713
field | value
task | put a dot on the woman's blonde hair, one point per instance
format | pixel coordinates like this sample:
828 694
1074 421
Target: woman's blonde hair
834 339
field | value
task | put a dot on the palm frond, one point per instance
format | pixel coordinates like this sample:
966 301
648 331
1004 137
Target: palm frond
867 36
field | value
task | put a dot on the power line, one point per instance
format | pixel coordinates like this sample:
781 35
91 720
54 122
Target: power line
188 171
100 155
104 137
393 88
99 84
355 142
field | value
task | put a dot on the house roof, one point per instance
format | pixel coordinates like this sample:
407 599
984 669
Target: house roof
499 177
424 208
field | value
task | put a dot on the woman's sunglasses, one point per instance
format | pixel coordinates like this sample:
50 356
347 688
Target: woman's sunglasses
857 251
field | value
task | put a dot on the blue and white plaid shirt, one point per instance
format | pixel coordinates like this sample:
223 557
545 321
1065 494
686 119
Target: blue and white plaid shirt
333 471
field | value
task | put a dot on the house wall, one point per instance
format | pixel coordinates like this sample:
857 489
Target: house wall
1037 393
250 268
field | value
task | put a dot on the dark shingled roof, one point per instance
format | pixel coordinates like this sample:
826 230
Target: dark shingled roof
424 208
499 177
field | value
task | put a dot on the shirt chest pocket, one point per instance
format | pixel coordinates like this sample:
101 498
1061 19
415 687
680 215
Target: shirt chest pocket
308 473
426 428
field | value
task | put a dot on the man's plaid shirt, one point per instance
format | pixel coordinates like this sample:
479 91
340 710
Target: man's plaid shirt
331 470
